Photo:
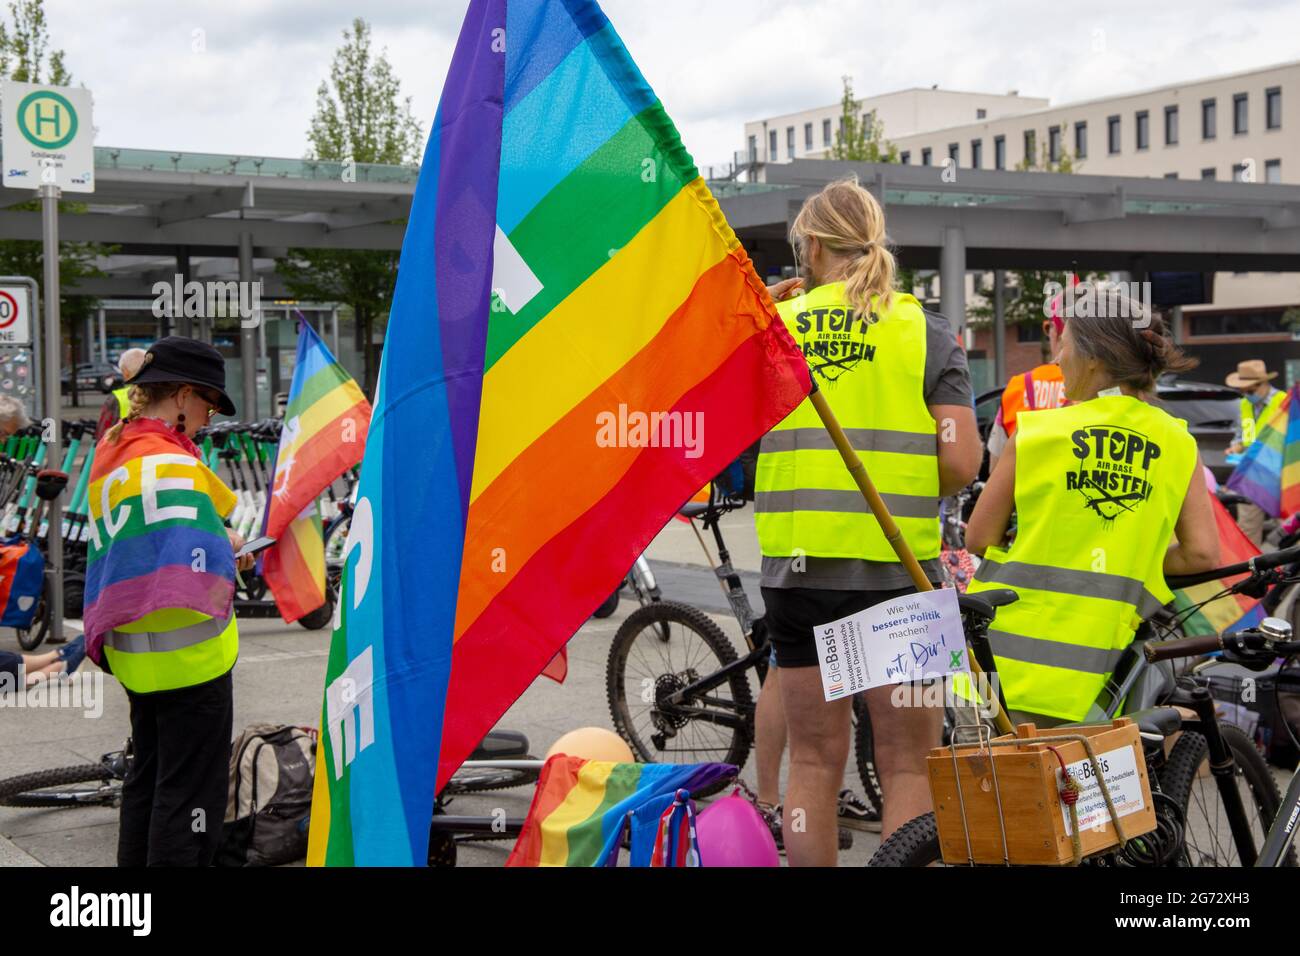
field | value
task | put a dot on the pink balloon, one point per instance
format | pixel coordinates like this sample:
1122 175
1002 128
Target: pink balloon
730 832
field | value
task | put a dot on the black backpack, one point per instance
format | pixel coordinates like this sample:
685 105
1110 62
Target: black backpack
271 773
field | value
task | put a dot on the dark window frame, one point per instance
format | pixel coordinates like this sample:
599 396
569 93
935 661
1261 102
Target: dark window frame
926 155
1114 135
1142 129
976 154
1031 147
1171 113
1081 139
999 152
807 137
1054 144
1240 114
1209 119
1273 164
1273 107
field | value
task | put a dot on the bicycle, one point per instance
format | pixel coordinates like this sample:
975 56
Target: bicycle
703 688
1185 746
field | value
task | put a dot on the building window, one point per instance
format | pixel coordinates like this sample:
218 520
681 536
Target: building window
1272 170
1171 175
976 153
1240 114
807 137
1031 147
771 146
1207 119
1236 323
905 157
999 152
753 149
1027 332
1273 108
1208 173
925 157
1171 125
980 114
1080 140
1143 132
954 153
789 142
1054 144
1238 172
1112 134
826 132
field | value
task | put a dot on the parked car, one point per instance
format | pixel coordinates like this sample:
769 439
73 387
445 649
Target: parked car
92 377
1211 412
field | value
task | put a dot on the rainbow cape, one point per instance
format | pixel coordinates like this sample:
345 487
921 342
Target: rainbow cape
1269 472
1232 610
325 426
581 807
577 343
155 532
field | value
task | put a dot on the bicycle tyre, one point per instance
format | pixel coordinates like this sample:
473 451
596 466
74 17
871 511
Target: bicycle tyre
31 638
864 755
1183 769
736 750
24 790
915 843
473 780
608 606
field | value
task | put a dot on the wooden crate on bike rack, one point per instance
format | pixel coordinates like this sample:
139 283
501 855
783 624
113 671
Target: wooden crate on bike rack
999 801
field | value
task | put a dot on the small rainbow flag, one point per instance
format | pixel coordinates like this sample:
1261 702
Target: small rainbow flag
581 807
578 342
155 511
1233 610
1269 472
325 426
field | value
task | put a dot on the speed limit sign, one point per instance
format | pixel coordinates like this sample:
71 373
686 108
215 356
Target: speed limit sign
15 320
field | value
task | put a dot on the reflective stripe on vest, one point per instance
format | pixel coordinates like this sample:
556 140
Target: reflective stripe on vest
1250 424
872 373
123 402
1099 487
172 657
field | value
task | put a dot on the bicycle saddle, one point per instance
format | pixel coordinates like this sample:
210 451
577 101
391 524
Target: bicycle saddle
984 603
693 509
501 745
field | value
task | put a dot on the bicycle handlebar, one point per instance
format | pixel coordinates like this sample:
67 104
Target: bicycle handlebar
1248 644
1262 562
1182 647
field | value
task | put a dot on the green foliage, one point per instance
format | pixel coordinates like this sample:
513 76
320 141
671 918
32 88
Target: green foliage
858 140
24 44
360 116
1291 318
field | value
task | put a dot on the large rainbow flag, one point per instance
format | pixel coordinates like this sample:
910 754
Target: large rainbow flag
1232 610
325 426
577 343
580 808
155 532
1269 472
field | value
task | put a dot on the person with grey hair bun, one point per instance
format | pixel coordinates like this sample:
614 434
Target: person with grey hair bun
118 404
13 416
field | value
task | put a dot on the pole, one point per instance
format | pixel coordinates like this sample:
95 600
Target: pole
999 328
52 424
248 333
887 523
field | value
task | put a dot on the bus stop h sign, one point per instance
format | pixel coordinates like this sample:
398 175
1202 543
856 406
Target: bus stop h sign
48 137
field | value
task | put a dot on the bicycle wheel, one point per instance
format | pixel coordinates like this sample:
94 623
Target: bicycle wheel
32 637
864 754
58 788
1187 779
643 669
915 843
469 779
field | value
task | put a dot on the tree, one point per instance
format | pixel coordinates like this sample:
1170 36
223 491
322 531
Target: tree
360 117
23 56
861 138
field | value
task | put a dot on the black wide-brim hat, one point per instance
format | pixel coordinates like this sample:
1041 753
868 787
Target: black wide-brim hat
188 362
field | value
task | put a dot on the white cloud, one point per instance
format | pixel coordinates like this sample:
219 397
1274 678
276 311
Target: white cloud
715 64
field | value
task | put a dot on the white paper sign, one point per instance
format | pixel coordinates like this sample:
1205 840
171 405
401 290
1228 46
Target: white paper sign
1119 767
910 638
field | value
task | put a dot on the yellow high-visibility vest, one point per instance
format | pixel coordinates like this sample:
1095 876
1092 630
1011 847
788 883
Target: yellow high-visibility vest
171 648
871 369
1250 425
123 403
1098 490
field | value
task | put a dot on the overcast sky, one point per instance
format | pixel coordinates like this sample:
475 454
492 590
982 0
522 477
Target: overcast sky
250 89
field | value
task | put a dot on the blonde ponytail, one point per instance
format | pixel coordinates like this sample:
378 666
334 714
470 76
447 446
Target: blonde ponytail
850 224
140 397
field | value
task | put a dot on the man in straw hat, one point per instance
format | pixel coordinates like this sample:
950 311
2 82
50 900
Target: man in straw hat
1259 402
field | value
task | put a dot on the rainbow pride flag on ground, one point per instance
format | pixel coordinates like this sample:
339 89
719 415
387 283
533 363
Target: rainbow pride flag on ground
155 532
580 810
1233 610
325 426
577 343
1269 471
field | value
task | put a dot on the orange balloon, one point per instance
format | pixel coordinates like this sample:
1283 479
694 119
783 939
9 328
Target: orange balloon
592 743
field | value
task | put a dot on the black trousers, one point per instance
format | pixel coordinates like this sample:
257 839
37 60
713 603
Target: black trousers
174 798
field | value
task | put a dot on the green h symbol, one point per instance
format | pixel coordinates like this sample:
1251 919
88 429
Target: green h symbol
55 117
